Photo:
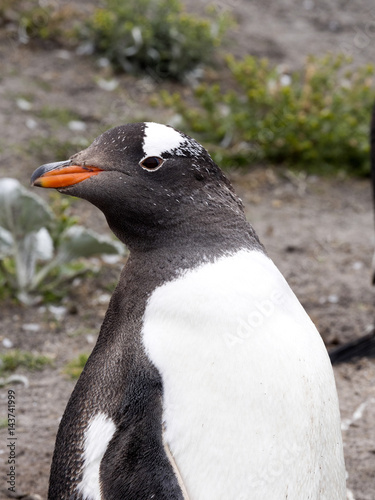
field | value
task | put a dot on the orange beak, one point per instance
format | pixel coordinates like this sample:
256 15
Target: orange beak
62 174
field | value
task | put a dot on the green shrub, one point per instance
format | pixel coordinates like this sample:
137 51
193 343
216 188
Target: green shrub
317 118
39 20
14 359
156 36
75 366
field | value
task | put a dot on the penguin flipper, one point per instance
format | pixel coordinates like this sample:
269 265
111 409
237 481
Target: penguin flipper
176 469
358 348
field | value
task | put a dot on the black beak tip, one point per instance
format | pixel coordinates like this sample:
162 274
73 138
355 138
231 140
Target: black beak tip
36 174
40 171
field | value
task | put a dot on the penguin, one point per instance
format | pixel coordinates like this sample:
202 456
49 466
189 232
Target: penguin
208 380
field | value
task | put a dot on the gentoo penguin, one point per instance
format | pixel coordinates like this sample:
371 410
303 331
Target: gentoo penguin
208 380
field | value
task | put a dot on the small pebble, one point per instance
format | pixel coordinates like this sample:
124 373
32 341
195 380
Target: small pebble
64 54
58 311
90 338
103 298
31 327
24 104
77 126
333 299
31 124
357 265
7 343
107 85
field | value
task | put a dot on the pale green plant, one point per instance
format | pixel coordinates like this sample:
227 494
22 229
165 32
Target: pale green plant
31 260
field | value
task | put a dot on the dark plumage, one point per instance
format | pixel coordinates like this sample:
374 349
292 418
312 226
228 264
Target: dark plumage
165 408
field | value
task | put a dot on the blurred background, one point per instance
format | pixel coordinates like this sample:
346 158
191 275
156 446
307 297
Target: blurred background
280 93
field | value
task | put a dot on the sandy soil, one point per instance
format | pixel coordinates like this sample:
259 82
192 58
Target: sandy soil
318 231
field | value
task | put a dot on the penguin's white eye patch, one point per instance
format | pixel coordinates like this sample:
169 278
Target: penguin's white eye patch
151 163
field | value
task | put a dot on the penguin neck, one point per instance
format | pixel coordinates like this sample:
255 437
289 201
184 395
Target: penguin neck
211 234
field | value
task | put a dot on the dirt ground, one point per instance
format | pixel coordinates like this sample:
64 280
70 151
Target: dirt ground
318 231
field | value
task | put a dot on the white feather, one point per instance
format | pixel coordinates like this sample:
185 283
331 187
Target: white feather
98 434
159 139
250 404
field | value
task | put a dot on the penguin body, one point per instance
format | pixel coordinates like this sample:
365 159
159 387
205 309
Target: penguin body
208 380
241 362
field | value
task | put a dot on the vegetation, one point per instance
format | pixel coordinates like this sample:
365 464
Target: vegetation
30 20
61 115
154 36
38 249
74 368
14 359
317 118
42 149
54 145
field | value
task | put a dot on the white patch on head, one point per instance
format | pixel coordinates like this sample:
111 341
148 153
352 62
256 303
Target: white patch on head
98 434
256 417
159 139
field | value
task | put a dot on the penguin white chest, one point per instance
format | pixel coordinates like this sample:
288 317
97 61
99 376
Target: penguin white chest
250 405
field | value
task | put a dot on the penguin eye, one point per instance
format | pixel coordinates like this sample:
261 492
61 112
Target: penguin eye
151 163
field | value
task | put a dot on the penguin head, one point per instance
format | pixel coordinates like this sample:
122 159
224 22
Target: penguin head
150 181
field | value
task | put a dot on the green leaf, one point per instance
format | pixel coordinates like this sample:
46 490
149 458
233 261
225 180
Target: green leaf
32 256
6 242
23 217
43 245
78 241
21 212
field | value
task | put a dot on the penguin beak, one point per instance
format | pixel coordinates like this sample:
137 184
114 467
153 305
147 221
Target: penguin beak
62 174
